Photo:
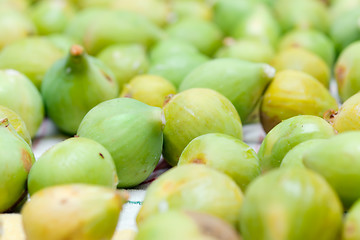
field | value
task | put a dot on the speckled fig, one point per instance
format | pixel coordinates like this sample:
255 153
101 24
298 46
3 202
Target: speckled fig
181 187
131 131
291 204
77 211
195 112
15 163
225 153
289 133
351 227
242 82
293 93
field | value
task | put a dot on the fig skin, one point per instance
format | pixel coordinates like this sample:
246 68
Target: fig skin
131 131
223 153
193 187
76 211
290 204
351 228
289 133
195 112
75 160
190 9
293 93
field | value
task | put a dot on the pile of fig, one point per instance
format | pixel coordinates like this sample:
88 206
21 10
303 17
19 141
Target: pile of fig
132 85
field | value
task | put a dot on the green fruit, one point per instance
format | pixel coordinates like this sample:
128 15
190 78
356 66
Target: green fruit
15 163
190 9
291 204
62 41
196 188
19 5
340 8
75 160
293 93
289 133
73 86
78 211
125 61
240 81
351 228
195 112
29 106
337 160
149 89
223 153
131 131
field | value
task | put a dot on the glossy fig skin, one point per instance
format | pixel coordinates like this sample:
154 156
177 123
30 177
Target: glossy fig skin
351 228
195 112
75 211
289 133
181 187
131 131
290 204
224 153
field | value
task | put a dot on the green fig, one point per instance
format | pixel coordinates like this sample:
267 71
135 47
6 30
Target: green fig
337 160
340 8
131 131
291 204
351 228
125 61
179 225
77 211
193 187
293 93
32 56
149 89
240 81
73 86
19 5
15 163
225 153
195 112
289 133
29 106
62 41
190 9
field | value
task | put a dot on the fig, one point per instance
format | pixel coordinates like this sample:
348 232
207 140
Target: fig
352 223
289 133
311 40
75 160
131 131
75 211
290 204
19 5
195 112
11 227
32 56
193 187
62 41
29 106
240 81
223 153
249 50
87 80
293 93
149 89
303 60
190 9
125 61
178 225
204 35
337 160
15 163
338 8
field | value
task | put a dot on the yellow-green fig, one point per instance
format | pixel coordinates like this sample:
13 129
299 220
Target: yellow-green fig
73 212
351 227
190 9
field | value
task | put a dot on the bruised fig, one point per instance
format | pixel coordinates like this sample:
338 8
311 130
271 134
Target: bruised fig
131 131
179 225
291 204
195 112
224 153
149 89
77 211
193 187
15 163
73 86
289 133
351 228
293 93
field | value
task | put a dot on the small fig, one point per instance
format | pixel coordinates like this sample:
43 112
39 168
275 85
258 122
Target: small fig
351 228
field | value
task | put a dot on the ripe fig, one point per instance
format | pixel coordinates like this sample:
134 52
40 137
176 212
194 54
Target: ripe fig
224 153
289 133
351 228
131 131
76 211
193 187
